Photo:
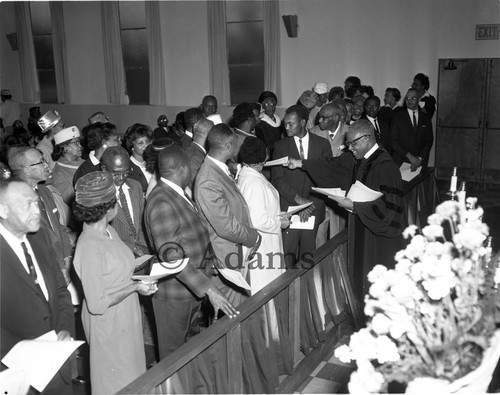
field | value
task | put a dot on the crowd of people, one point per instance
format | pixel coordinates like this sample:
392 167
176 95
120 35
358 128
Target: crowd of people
80 207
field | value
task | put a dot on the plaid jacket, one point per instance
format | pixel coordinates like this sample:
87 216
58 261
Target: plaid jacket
176 230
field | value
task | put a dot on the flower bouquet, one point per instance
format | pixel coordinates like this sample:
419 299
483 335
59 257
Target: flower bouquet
433 316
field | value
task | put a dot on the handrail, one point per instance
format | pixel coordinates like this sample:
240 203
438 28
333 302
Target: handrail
182 356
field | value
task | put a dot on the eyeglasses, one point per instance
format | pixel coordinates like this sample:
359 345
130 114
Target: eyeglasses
125 173
42 162
351 143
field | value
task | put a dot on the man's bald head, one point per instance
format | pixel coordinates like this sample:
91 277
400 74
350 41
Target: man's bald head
173 165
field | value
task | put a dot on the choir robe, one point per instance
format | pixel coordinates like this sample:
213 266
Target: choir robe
375 228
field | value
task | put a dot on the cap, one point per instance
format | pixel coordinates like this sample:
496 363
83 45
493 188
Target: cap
66 134
253 151
99 116
215 118
95 188
320 88
48 120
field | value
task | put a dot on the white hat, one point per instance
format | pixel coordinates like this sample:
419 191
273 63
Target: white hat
48 120
320 88
66 134
215 118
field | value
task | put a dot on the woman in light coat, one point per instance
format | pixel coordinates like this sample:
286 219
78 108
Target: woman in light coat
264 207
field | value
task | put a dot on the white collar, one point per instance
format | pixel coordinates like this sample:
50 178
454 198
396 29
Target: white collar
221 165
190 134
304 139
93 159
174 186
125 187
267 119
371 119
245 133
371 151
137 163
202 147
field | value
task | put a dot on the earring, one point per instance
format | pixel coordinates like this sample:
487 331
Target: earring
104 146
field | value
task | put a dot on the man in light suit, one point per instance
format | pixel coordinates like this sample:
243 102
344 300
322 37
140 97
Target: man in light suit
223 205
295 187
128 222
334 131
34 296
177 230
196 151
411 133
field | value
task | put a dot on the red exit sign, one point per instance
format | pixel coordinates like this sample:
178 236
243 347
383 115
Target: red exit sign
487 32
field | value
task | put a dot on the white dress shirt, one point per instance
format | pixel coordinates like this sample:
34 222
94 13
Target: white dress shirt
305 144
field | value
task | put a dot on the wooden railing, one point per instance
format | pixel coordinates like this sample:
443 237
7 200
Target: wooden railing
222 346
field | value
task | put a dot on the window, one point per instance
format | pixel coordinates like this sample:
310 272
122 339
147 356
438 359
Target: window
245 45
44 52
135 50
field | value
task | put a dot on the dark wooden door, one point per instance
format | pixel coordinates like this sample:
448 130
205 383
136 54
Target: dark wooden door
492 125
458 130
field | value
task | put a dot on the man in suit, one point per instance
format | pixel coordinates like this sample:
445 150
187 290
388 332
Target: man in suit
29 165
295 187
177 230
223 205
334 131
196 151
382 133
411 133
128 222
34 296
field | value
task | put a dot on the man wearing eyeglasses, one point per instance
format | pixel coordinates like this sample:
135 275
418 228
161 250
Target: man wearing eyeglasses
128 221
375 227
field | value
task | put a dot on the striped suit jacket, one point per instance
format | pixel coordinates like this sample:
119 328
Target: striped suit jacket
226 211
120 223
176 230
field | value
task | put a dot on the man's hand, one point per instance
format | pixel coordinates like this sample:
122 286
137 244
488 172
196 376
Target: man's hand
255 247
415 161
64 335
220 302
294 163
285 222
306 213
343 202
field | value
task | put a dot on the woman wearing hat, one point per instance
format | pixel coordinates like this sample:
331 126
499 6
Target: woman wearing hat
68 156
136 139
111 314
264 207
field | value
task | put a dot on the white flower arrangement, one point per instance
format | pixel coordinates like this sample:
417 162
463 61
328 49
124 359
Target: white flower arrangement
433 314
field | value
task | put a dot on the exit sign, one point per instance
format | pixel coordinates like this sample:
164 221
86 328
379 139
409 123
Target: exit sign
487 32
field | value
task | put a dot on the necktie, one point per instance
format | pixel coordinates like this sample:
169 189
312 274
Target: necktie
377 130
301 150
126 211
414 121
29 261
191 201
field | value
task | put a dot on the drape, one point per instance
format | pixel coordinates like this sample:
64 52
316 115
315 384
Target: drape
272 63
157 88
217 49
113 59
59 46
27 59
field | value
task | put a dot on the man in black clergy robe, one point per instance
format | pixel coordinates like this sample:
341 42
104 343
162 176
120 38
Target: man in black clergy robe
375 228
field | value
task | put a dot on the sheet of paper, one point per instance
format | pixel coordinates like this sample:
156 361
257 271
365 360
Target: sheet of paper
330 191
40 358
295 209
277 162
296 224
406 173
234 277
359 192
163 269
139 261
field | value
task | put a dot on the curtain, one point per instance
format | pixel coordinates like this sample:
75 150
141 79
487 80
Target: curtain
219 69
272 66
157 89
27 60
59 45
113 59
